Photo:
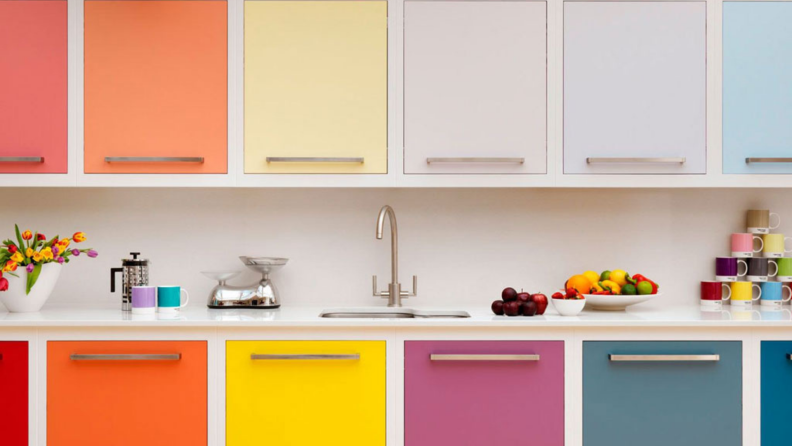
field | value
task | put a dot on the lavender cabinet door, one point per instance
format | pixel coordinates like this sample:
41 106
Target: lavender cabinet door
466 392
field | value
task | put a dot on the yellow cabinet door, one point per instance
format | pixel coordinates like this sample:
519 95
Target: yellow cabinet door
316 81
305 393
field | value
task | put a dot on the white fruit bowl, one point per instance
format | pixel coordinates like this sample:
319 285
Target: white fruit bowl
615 303
569 307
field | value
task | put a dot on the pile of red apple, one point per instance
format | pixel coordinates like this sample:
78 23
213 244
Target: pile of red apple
513 303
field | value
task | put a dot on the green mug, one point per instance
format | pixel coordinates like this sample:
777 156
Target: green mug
169 298
784 269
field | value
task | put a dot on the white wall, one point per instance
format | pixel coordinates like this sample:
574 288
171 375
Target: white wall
464 245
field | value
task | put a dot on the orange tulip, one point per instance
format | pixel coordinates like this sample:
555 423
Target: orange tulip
79 237
10 266
27 235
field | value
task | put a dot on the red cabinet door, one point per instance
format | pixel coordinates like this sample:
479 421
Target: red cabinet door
14 393
33 86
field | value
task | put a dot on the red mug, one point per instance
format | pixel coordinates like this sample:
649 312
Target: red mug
713 292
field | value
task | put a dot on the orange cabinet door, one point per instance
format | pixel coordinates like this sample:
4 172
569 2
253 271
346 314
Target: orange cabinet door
33 86
156 86
126 393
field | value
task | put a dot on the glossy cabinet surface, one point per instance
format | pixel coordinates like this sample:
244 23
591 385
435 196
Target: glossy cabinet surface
156 86
776 392
336 398
468 400
33 86
658 403
127 400
757 87
634 87
475 87
14 393
316 87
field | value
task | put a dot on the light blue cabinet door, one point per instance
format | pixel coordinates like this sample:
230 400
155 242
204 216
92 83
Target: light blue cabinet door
776 392
638 401
757 86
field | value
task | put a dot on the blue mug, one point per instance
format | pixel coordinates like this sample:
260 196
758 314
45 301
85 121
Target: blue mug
775 293
169 298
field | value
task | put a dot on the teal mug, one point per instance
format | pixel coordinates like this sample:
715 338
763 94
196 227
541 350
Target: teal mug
169 298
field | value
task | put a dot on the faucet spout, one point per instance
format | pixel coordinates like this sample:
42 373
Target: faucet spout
394 288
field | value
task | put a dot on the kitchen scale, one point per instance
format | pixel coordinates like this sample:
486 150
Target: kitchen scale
262 294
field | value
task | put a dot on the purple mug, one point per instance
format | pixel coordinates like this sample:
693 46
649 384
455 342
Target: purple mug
727 269
144 299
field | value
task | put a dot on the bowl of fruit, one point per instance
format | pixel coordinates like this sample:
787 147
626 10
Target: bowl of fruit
569 303
613 290
513 303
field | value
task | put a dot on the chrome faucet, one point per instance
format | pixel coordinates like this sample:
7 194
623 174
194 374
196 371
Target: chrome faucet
394 293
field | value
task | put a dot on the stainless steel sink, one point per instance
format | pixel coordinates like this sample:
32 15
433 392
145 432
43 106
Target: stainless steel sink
391 313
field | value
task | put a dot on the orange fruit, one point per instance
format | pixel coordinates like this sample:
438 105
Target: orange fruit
580 283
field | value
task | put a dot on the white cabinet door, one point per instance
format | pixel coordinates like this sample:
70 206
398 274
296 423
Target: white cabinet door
634 87
475 87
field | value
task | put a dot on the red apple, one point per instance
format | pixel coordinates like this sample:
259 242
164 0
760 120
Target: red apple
509 294
511 308
541 302
522 296
497 307
529 308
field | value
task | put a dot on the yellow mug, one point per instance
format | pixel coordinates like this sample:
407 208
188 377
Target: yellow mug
775 245
742 293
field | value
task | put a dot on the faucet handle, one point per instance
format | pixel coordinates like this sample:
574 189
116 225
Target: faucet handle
374 288
414 291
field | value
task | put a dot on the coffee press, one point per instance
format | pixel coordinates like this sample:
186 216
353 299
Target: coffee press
134 272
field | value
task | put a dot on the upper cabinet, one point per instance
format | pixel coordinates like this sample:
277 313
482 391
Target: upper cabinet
156 86
634 87
757 87
475 87
316 87
33 86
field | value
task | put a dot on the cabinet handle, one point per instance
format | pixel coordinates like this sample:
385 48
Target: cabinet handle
483 357
767 160
126 357
354 356
154 159
476 159
21 159
311 159
664 358
680 160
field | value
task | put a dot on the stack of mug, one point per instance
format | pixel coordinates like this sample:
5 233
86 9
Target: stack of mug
757 269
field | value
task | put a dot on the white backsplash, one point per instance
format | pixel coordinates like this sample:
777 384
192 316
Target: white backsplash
465 245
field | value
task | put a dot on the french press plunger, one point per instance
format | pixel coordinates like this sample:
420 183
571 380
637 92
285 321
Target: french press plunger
134 272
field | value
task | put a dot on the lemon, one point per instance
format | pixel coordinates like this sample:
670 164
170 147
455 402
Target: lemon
591 276
619 276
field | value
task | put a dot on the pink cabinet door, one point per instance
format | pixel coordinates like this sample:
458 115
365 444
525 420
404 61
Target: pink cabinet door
484 393
33 86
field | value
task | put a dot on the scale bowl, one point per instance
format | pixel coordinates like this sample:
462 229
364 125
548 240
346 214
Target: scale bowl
263 265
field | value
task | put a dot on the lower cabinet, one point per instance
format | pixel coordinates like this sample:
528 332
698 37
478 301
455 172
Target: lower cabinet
484 393
14 393
285 393
776 392
662 393
126 393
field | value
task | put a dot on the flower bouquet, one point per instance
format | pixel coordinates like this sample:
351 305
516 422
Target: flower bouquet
32 259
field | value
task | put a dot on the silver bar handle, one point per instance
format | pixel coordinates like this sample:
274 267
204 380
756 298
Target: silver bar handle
312 159
127 357
767 160
664 358
21 159
617 160
154 159
483 357
386 294
476 159
256 357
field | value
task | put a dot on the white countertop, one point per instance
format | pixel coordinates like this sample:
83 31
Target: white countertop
691 316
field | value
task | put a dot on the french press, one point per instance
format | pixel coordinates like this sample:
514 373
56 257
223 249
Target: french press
134 272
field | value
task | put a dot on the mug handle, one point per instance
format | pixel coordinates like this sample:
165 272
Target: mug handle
761 243
760 292
775 273
786 288
740 261
728 288
785 244
187 297
778 217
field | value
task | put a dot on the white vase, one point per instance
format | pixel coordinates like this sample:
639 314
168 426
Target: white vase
15 299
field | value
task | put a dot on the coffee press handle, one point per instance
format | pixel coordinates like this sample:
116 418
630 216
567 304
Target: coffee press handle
113 272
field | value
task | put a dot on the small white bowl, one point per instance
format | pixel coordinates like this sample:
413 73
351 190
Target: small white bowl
569 307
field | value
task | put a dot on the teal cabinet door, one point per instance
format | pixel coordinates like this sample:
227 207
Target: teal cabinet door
776 392
757 87
662 393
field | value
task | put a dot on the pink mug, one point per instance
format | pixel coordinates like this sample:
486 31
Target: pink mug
742 245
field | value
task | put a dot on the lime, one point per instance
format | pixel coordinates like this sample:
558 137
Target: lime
605 275
629 289
644 287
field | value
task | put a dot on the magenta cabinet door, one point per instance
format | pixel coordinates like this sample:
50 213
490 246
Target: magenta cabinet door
484 393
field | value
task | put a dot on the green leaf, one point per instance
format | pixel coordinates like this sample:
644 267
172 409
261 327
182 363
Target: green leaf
19 238
35 241
33 277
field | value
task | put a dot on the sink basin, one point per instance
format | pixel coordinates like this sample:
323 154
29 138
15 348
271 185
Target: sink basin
390 313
